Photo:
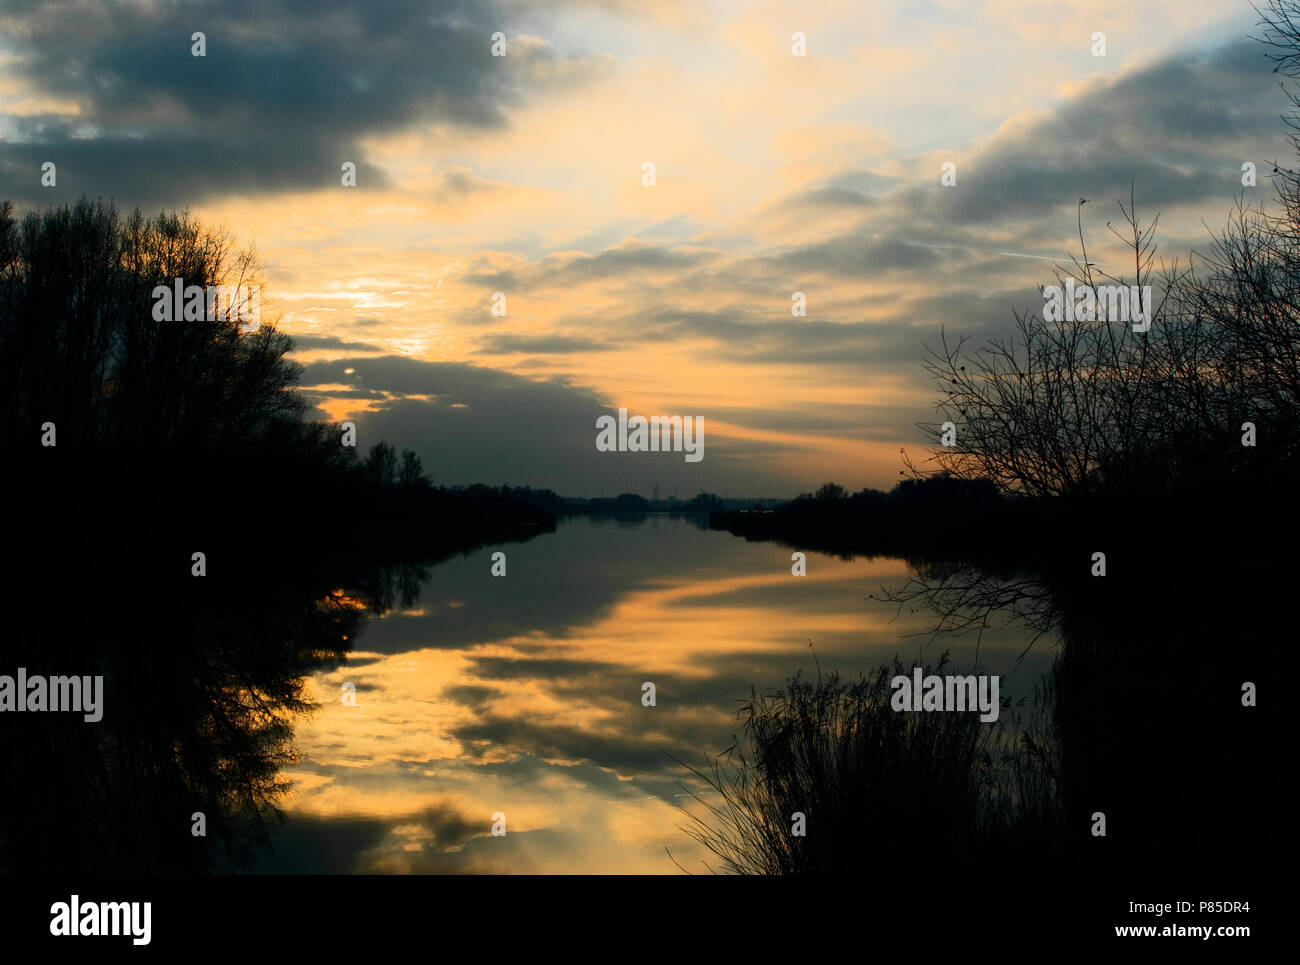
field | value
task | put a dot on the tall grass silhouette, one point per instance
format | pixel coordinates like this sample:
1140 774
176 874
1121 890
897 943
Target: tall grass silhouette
876 784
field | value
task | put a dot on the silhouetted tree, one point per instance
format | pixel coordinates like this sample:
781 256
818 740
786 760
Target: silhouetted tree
381 465
80 346
831 491
411 475
1069 408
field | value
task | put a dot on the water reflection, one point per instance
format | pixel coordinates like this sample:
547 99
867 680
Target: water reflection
522 695
201 694
204 682
1141 754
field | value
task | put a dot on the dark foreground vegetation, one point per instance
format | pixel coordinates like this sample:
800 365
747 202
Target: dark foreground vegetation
192 425
132 444
1175 454
1141 717
860 773
1085 427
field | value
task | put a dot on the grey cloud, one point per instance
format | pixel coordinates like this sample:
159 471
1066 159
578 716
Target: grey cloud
624 260
486 425
854 254
286 93
1176 131
301 342
545 344
826 197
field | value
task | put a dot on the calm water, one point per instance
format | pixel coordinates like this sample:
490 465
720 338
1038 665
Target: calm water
522 695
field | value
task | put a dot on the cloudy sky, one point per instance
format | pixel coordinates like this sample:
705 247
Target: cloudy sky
523 174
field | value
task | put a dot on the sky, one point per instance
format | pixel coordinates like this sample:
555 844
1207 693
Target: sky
524 174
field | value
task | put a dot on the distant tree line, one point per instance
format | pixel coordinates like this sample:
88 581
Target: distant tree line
940 514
